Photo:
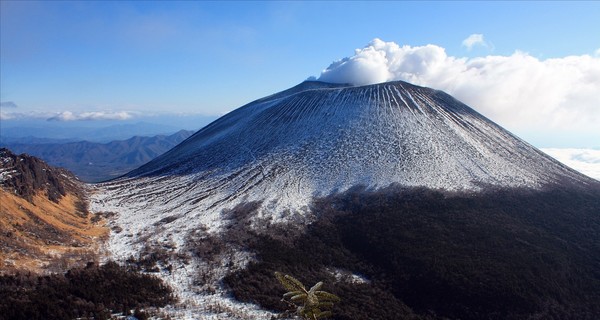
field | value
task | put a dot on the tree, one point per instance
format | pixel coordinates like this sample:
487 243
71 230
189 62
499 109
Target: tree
310 304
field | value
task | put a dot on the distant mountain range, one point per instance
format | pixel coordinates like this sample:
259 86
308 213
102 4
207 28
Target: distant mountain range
27 133
28 130
94 161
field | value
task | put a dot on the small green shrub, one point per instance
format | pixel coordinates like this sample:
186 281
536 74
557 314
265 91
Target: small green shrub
309 304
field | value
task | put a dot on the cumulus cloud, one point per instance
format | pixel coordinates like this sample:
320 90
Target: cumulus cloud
586 161
97 115
518 90
473 40
8 104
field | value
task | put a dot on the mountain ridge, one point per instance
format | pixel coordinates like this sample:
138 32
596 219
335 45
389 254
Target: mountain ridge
94 161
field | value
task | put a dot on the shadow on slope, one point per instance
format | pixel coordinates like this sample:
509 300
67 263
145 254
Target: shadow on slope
502 254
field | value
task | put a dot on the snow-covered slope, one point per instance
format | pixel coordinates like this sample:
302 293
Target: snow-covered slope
313 140
317 138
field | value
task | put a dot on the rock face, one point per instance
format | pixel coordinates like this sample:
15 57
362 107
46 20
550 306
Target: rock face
27 176
289 176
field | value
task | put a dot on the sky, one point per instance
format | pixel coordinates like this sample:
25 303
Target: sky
532 67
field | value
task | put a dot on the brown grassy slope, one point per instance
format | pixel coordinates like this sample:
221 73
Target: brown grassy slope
44 223
45 235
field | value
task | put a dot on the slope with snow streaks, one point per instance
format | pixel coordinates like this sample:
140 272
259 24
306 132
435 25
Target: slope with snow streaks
316 139
293 146
313 140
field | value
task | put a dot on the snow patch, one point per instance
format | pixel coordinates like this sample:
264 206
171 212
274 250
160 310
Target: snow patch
348 276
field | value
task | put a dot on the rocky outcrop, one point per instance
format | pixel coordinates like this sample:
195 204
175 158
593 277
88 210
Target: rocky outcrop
25 176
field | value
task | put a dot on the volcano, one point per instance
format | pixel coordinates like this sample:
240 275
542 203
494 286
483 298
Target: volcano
272 171
317 138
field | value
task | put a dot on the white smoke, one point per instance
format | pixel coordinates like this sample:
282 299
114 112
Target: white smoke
518 90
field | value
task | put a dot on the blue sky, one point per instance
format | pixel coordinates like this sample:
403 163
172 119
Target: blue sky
211 57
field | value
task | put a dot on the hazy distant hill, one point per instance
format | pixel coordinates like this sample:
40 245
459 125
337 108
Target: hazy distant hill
67 132
93 162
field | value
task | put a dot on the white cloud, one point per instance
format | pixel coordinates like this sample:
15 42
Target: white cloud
96 115
6 116
518 90
24 115
474 39
586 161
69 116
